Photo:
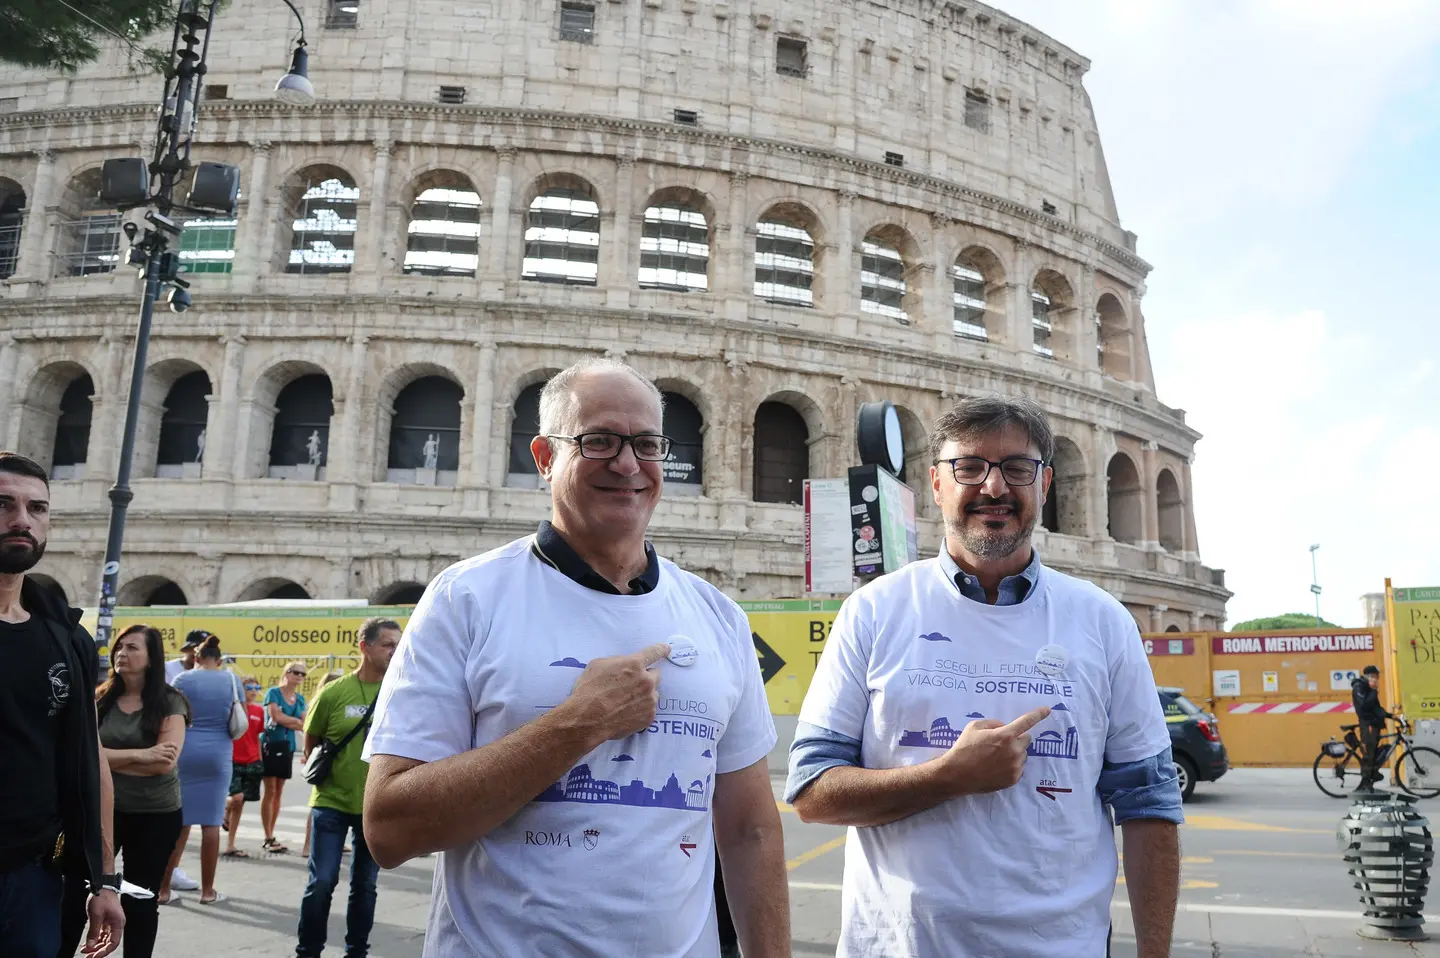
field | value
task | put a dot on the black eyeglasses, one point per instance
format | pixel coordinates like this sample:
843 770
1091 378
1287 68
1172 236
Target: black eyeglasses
974 470
607 445
295 672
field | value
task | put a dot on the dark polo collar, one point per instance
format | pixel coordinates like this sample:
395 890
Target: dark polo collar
555 552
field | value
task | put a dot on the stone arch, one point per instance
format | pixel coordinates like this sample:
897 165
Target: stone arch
275 587
147 590
676 240
522 426
977 281
89 228
49 584
12 225
168 430
320 219
40 419
264 410
1172 627
1052 313
1112 338
1124 497
1064 510
421 422
889 260
916 472
789 254
399 593
562 230
1170 509
781 452
442 224
686 421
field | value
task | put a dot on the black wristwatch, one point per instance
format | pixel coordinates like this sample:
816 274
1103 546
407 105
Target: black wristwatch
112 882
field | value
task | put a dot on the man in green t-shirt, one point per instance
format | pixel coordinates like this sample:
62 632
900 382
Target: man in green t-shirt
336 804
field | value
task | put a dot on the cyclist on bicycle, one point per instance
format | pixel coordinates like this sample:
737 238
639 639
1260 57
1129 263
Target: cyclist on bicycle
1371 715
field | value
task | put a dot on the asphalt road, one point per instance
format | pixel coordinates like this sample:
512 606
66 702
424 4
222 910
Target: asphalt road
1262 879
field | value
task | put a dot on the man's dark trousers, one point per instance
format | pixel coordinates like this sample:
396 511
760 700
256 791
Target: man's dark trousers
1370 740
30 899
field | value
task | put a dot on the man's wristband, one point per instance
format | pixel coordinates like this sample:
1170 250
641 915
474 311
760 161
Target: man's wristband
108 883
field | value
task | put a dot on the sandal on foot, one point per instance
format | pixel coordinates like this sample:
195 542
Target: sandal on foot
234 853
213 901
273 846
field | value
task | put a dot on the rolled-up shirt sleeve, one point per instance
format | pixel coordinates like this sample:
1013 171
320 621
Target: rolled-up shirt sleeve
1147 788
815 751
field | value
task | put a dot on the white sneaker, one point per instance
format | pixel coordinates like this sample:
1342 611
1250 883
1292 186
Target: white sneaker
183 882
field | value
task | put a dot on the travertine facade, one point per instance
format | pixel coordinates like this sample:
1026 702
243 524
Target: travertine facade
919 182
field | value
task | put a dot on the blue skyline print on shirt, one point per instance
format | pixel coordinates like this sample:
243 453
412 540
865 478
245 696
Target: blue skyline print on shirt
1048 744
1051 744
579 785
935 637
569 662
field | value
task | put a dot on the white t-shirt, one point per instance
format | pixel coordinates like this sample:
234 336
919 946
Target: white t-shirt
1027 872
173 668
617 858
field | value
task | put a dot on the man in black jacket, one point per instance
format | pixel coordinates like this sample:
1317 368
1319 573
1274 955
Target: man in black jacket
1371 715
55 793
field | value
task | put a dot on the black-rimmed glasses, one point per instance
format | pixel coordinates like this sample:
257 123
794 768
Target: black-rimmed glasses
974 470
607 445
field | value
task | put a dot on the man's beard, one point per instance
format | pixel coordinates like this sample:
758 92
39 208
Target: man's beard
19 554
986 543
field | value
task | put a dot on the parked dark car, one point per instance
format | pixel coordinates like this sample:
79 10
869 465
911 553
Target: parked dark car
1194 741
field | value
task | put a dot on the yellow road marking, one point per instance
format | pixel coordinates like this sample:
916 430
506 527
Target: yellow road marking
785 809
1220 823
815 853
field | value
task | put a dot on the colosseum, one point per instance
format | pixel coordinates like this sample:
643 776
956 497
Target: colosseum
778 211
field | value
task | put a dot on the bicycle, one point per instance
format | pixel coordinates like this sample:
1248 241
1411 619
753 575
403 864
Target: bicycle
1337 767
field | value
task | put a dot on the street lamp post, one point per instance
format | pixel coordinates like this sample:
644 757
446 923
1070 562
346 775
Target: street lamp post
1315 580
130 183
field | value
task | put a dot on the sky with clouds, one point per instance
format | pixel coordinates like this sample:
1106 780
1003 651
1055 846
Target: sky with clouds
1279 160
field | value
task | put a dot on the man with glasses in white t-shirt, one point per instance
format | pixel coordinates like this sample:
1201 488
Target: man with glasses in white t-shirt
576 725
976 719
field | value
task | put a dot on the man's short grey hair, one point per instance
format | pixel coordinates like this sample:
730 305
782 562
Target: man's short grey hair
558 413
986 415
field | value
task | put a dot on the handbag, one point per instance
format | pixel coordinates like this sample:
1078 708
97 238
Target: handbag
322 758
239 718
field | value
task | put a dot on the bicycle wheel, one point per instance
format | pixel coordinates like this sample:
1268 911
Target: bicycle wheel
1337 777
1418 772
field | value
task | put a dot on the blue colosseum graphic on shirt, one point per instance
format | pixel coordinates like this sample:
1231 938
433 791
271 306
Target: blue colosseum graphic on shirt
1047 744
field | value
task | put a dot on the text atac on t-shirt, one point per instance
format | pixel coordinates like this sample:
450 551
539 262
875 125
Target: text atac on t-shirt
616 857
1026 871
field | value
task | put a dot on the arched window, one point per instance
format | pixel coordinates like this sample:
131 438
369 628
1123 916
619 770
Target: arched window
288 590
675 245
975 272
782 454
273 587
300 437
444 232
325 221
524 427
682 470
89 230
1112 338
1172 628
208 244
1051 302
1124 499
72 430
167 593
562 238
12 224
1064 510
1171 512
401 593
785 257
883 286
425 433
152 590
182 427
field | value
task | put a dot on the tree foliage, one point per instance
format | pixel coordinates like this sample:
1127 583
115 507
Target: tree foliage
51 35
1290 620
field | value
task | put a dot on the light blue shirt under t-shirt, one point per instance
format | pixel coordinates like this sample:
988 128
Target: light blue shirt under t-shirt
1148 788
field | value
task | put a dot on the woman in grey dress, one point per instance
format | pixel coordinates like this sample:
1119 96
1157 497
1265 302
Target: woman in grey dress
205 761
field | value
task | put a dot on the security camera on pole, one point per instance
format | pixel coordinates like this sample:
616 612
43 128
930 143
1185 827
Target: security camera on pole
209 188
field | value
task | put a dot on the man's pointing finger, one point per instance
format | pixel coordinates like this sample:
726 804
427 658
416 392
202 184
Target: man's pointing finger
1028 721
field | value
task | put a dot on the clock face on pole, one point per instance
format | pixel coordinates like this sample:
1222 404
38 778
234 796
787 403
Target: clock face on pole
894 441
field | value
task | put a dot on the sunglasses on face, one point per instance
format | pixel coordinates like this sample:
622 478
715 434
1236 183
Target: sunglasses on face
252 688
295 672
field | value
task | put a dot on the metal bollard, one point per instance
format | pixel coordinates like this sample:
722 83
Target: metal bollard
1387 845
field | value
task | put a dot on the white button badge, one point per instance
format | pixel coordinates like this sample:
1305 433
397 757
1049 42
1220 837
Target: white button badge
1052 660
682 651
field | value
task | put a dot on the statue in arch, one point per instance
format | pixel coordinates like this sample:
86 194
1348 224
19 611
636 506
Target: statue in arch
312 446
200 447
431 450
